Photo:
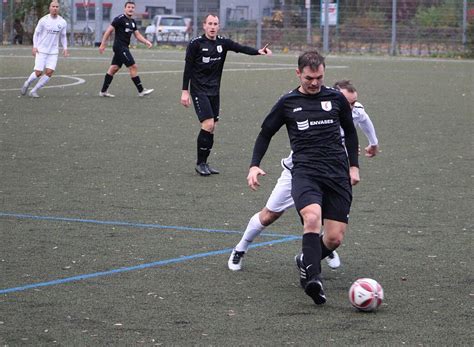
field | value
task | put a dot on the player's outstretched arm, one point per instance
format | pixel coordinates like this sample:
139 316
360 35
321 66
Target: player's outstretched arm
252 177
265 50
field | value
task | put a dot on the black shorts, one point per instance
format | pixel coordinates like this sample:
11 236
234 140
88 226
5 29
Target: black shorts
206 106
335 198
122 56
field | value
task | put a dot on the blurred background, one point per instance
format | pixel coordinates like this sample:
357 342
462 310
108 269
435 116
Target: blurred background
388 27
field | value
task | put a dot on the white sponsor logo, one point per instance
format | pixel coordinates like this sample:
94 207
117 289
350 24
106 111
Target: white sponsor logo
297 109
219 48
205 49
326 105
321 122
303 125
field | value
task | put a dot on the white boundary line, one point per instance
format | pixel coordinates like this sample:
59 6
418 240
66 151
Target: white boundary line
78 81
81 81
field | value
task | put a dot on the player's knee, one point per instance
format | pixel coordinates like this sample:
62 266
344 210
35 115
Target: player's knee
333 242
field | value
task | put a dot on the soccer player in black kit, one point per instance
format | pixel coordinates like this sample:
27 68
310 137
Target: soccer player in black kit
205 57
124 25
322 172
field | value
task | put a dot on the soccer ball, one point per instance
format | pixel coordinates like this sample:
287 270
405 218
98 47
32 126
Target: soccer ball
366 294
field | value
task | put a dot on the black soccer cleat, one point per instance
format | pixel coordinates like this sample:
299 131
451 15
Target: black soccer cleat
202 169
314 288
302 270
212 170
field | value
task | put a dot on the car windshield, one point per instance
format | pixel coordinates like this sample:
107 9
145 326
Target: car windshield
173 22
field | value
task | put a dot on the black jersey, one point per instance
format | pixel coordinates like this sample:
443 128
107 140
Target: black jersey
313 123
205 61
124 27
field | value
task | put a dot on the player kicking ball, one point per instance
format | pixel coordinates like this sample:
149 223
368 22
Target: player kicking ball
280 199
123 25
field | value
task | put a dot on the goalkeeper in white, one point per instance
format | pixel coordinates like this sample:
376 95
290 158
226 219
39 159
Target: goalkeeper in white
50 29
280 200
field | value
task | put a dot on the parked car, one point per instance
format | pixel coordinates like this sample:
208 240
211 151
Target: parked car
167 28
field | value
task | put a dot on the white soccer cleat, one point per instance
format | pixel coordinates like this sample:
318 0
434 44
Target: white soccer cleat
106 94
145 92
333 260
235 260
24 88
33 94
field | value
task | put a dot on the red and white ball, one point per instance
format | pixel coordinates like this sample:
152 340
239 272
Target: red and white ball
366 294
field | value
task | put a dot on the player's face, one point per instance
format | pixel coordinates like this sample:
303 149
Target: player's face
129 10
311 80
54 9
351 97
211 27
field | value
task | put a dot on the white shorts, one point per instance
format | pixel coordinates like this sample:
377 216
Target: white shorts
43 60
280 200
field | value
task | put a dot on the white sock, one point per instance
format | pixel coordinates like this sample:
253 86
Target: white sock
254 228
31 78
43 80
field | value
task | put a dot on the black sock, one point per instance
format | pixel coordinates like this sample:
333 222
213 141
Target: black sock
107 80
205 141
312 254
138 83
324 250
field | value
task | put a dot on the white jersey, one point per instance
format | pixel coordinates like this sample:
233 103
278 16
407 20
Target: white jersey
360 118
47 34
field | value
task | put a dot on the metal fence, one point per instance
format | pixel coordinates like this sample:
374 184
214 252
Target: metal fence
404 27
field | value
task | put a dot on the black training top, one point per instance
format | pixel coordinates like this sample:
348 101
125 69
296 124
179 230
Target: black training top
124 27
313 123
205 60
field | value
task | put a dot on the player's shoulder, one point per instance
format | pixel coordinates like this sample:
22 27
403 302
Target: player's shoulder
44 18
331 91
358 105
196 39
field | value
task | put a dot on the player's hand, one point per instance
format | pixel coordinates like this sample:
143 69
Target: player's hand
66 53
101 49
265 50
185 98
371 150
252 177
34 51
354 173
148 44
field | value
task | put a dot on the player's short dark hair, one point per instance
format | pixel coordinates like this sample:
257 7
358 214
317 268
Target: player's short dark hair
129 2
209 14
312 59
345 84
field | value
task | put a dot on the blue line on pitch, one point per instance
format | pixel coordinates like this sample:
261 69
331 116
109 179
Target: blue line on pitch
138 267
128 224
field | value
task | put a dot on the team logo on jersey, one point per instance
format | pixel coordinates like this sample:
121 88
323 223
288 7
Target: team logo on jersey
219 48
326 105
206 59
303 125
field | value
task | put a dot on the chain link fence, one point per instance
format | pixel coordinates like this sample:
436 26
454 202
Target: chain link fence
402 27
